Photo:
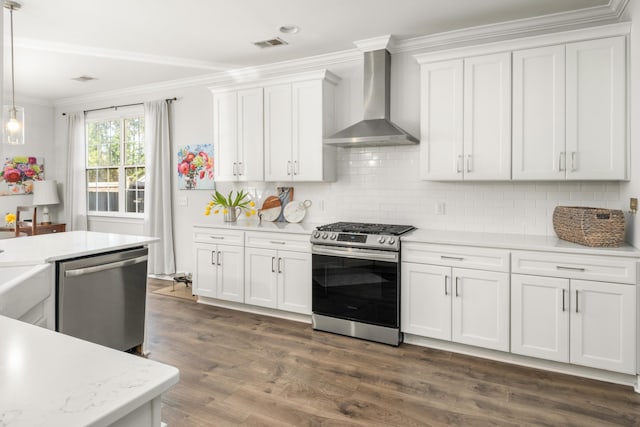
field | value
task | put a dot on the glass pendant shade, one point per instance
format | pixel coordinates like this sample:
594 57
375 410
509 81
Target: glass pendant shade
13 124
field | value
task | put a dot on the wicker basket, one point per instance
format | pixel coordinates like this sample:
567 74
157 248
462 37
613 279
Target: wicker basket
589 226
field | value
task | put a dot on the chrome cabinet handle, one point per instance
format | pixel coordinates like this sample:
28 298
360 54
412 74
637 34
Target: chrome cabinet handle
446 278
279 265
574 166
576 300
581 269
562 162
296 168
458 164
289 167
218 258
457 280
213 261
469 163
563 306
240 169
273 268
234 170
455 258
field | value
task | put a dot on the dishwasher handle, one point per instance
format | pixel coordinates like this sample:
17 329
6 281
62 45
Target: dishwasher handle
95 269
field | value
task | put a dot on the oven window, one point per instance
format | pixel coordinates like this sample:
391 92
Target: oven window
356 289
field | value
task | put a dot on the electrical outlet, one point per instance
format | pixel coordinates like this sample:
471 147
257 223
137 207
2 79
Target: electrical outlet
633 205
183 202
439 209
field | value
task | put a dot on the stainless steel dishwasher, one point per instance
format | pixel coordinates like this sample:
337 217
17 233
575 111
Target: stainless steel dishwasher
102 298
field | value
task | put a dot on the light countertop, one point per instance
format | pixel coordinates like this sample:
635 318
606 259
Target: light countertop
57 246
254 225
514 242
51 379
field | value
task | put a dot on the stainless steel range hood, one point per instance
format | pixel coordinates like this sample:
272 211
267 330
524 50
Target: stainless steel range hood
375 129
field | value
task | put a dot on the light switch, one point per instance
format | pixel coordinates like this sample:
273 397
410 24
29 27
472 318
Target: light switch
183 202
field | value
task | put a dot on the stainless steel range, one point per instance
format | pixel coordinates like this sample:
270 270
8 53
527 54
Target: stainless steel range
356 280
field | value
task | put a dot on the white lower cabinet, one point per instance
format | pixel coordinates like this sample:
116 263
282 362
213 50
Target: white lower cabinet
584 322
277 278
219 271
462 305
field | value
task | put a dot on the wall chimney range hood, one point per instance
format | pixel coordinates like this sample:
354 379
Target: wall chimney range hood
375 129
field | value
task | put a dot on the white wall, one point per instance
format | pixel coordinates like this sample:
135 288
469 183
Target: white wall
39 142
374 184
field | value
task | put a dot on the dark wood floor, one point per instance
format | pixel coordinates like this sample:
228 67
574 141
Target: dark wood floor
239 368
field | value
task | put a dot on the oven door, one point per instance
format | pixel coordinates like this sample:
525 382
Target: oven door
356 284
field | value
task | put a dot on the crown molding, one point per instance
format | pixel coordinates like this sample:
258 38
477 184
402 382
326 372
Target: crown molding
323 74
517 28
123 55
375 43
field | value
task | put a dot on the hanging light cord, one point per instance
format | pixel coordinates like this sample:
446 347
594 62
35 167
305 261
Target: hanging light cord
13 83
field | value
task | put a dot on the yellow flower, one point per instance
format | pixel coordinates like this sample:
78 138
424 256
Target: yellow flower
216 211
248 213
252 203
253 211
225 211
211 204
207 212
10 218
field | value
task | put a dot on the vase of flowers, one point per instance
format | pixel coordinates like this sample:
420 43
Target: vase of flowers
231 206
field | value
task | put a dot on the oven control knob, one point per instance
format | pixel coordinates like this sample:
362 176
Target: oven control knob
333 236
325 235
381 239
316 235
392 241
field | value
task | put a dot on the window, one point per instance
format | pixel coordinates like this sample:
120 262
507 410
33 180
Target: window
115 162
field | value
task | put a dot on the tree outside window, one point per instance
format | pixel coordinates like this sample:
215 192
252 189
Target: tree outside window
115 165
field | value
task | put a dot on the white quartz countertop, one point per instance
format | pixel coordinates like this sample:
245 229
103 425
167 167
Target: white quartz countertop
57 246
255 225
51 379
514 242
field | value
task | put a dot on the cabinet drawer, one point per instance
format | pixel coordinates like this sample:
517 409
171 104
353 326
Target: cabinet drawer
298 242
456 256
587 267
218 235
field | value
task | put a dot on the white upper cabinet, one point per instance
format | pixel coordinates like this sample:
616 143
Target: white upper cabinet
539 113
547 107
466 119
569 111
238 135
298 115
596 109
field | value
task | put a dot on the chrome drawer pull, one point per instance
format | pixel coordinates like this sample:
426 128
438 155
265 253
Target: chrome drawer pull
217 237
581 269
455 258
275 242
576 300
563 306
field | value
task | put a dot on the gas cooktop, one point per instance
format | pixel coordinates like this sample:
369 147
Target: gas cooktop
361 235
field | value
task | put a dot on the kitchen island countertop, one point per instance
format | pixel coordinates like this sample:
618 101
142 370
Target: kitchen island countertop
45 248
51 379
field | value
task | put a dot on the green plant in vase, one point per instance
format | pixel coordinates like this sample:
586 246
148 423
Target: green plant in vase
231 205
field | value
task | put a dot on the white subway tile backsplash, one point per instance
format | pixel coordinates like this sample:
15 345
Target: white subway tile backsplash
382 184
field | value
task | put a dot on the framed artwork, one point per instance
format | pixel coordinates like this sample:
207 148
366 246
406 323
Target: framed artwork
18 174
195 167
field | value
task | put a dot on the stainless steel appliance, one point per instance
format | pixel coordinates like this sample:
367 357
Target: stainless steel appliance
102 298
356 280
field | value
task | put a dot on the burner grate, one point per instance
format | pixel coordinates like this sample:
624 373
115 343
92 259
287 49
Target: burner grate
366 228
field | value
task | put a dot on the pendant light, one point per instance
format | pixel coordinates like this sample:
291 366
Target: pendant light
13 116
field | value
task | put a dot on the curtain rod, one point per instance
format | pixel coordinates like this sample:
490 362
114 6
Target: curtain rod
169 100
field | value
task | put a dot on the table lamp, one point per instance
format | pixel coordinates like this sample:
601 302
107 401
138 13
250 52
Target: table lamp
45 193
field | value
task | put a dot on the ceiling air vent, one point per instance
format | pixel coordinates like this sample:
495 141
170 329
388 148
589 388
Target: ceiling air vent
270 43
84 78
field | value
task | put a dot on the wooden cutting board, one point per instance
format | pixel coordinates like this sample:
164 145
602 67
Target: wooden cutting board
271 208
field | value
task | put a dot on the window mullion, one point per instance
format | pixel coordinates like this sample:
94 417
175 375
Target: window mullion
122 179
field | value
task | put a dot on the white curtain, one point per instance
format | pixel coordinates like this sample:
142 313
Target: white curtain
158 216
75 195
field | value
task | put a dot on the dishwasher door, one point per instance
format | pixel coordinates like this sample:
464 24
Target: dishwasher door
102 298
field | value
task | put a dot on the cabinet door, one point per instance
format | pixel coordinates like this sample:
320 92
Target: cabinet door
487 117
596 109
294 281
250 135
603 322
307 131
540 317
204 275
260 286
539 113
278 163
225 137
230 274
480 307
441 120
426 300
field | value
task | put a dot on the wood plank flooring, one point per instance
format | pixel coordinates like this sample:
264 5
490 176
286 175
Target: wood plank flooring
245 369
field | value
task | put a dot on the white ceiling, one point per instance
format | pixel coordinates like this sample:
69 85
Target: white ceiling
128 43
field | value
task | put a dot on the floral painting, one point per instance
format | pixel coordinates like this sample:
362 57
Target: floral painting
195 167
18 174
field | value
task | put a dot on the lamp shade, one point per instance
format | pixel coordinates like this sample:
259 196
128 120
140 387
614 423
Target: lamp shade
45 193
